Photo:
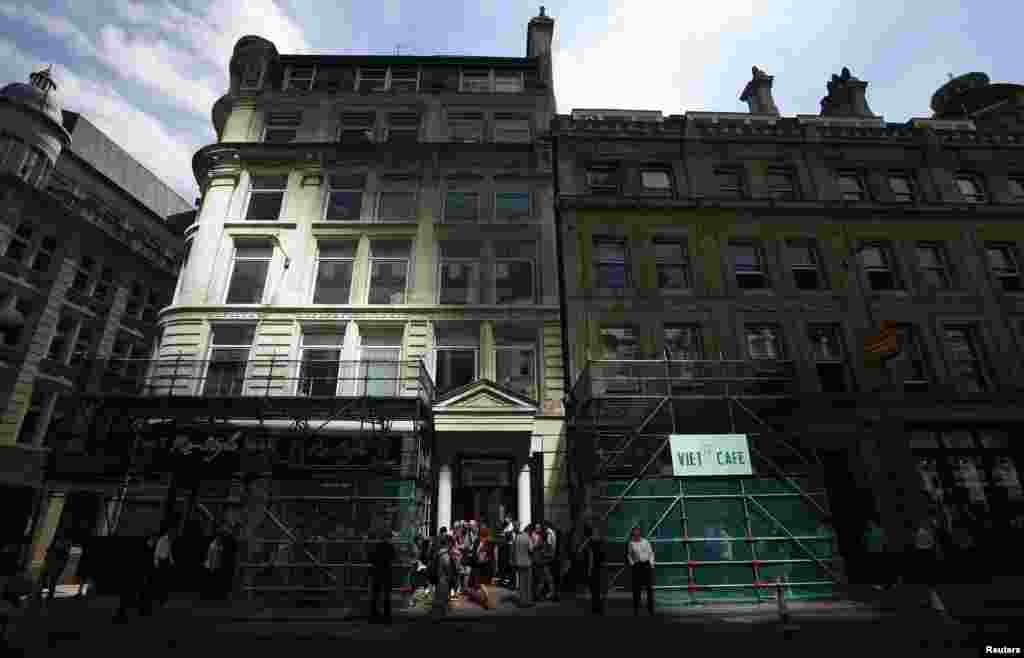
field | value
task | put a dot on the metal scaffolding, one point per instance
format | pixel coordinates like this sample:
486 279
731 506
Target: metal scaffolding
715 537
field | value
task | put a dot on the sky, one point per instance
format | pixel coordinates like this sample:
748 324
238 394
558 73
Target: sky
147 72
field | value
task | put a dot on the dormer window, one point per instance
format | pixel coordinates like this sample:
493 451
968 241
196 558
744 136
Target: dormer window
656 180
970 188
902 187
851 186
300 78
399 79
252 75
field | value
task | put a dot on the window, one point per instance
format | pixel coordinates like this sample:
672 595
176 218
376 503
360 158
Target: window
300 78
334 262
399 79
249 275
902 187
31 424
764 342
603 179
379 364
229 354
910 365
1003 262
44 255
282 127
35 157
516 369
10 145
24 306
683 342
460 273
512 206
656 181
931 259
396 205
461 206
802 258
781 185
266 197
970 188
673 264
389 265
966 366
729 183
134 304
508 82
514 273
876 261
67 325
458 348
747 264
1016 189
83 281
466 126
344 198
610 257
83 345
403 127
357 127
252 75
120 354
620 343
321 364
851 186
476 80
20 243
829 357
511 128
104 285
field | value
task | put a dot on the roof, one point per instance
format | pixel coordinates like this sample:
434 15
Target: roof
35 99
384 60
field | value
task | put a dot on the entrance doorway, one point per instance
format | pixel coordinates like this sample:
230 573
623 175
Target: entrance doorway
485 491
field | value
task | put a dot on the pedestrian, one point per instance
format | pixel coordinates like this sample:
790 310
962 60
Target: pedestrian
523 559
640 556
592 557
212 566
53 569
543 560
380 562
163 565
445 570
927 562
876 564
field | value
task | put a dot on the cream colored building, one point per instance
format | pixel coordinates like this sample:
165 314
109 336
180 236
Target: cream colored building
364 210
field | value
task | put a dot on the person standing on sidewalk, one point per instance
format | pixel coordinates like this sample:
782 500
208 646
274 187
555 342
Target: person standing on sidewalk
163 565
523 559
640 556
445 574
592 554
56 562
877 563
927 562
381 560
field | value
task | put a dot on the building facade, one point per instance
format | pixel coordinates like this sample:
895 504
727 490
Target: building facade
843 290
370 295
87 263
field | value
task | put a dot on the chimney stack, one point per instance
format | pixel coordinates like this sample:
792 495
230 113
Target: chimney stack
846 97
758 93
539 33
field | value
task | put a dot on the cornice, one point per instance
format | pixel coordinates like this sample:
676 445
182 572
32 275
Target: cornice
408 313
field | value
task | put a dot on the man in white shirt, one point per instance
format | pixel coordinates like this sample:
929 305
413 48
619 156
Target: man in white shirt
522 557
163 563
640 556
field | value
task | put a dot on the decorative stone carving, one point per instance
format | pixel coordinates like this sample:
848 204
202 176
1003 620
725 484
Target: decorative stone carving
846 97
758 93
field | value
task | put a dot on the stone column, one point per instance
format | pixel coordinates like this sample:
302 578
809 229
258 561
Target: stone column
209 245
488 357
523 497
444 497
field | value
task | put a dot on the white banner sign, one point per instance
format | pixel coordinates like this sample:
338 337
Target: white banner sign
710 454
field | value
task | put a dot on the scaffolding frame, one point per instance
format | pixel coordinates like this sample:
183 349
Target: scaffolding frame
628 408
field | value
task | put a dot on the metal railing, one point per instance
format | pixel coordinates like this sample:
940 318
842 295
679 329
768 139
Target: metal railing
272 376
684 378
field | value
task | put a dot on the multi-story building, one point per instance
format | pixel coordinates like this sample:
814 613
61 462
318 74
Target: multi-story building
87 264
370 295
844 291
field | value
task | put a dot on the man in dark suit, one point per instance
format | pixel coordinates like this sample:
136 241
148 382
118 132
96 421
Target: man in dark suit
381 560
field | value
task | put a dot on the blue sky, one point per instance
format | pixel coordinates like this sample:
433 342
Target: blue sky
147 71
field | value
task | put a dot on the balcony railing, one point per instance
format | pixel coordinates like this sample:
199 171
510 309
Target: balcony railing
685 378
177 376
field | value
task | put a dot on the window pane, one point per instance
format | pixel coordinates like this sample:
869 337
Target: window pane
265 205
512 205
460 283
508 82
461 206
512 130
476 81
337 249
683 342
672 277
387 282
254 249
1017 189
333 282
850 187
389 249
379 371
373 78
900 185
455 368
825 343
669 252
967 187
800 253
746 258
728 182
319 374
516 371
514 282
763 343
620 343
602 177
928 256
872 257
344 205
466 127
247 282
225 375
655 180
397 205
233 334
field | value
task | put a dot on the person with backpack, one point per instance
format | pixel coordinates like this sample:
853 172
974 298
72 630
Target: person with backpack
592 558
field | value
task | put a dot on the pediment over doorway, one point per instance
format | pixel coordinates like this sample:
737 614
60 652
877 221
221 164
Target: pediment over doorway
484 404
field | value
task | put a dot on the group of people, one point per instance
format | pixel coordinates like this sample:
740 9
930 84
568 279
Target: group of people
462 563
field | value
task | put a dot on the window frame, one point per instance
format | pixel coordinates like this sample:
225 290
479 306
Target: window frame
339 383
945 272
438 349
759 255
89 272
442 262
41 412
255 189
361 122
858 177
364 350
406 131
911 338
810 247
252 65
25 236
508 117
980 194
290 77
978 361
613 172
684 263
778 193
780 344
885 249
44 254
696 331
516 219
510 347
1011 254
269 260
820 358
283 122
462 80
330 189
666 191
902 197
737 191
318 258
396 190
520 75
67 338
1012 181
532 262
213 347
449 191
600 264
466 117
373 260
133 305
389 78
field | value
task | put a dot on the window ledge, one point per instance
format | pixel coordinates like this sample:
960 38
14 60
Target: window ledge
757 291
259 224
362 224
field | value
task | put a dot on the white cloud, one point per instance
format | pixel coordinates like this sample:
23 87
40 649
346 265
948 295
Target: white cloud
56 25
